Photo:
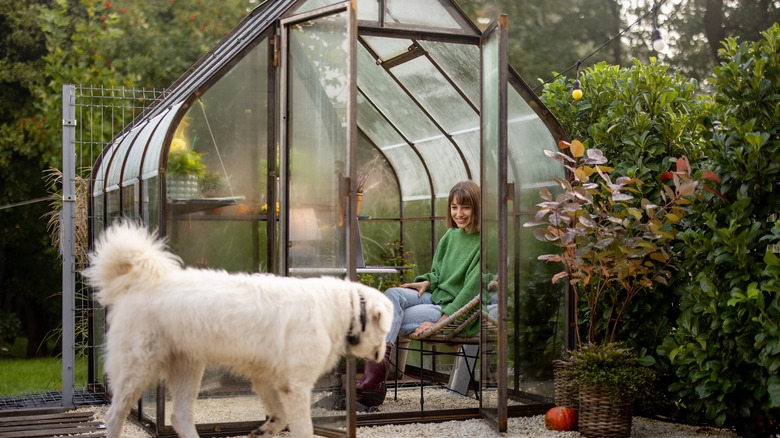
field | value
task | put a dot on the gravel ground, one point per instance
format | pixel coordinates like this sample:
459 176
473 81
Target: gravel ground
531 427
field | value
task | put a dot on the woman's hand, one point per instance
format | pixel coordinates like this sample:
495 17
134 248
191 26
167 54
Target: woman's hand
422 328
421 286
427 325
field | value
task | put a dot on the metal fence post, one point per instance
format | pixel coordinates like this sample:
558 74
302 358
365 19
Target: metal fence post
67 249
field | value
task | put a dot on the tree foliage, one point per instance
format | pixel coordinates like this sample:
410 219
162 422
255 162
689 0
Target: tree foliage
694 29
43 45
726 349
643 116
28 269
551 36
614 245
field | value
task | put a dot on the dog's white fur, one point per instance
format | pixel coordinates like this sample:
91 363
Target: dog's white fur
166 322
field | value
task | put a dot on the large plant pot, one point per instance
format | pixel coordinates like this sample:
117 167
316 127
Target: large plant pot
183 187
600 416
566 390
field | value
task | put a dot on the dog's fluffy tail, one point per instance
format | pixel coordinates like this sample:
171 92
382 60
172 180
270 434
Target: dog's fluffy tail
125 255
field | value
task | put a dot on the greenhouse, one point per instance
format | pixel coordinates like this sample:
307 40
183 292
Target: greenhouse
323 139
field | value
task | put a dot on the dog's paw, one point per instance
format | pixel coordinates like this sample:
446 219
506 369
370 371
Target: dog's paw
271 427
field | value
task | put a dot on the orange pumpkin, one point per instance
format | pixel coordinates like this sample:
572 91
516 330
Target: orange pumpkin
561 418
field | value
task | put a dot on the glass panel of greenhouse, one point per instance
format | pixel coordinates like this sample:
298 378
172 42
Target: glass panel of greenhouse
311 111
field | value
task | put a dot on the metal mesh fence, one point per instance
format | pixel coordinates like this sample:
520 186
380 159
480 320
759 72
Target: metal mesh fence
92 117
46 399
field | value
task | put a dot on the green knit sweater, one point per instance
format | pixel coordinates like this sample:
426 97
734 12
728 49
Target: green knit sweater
455 271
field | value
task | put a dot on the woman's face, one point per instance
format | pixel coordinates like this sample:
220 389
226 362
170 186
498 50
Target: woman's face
461 213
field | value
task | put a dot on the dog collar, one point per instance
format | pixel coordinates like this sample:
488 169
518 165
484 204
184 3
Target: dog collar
352 338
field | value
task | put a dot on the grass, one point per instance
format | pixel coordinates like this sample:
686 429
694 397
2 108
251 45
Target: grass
19 376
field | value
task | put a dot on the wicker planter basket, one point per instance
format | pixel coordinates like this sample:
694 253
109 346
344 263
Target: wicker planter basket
566 391
599 416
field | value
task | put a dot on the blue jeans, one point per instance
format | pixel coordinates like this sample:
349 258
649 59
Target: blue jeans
410 311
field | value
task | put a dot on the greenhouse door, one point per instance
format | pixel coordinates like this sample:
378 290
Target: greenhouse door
493 341
317 162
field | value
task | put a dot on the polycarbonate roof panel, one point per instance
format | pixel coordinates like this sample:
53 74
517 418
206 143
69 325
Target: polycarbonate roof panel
437 96
412 176
367 10
143 138
98 174
445 164
132 171
528 138
429 14
387 48
459 61
115 172
468 143
152 160
374 126
392 100
131 146
133 167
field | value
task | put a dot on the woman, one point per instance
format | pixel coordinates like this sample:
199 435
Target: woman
453 281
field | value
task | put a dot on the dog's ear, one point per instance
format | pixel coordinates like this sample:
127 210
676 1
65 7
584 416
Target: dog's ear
377 314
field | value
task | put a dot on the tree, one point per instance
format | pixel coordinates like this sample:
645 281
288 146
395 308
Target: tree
550 36
28 263
695 29
44 44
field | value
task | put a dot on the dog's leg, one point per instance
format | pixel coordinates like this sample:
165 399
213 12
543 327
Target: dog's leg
184 378
127 389
296 397
277 418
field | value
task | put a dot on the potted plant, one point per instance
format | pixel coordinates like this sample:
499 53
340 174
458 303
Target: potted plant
213 185
372 169
609 378
613 246
185 169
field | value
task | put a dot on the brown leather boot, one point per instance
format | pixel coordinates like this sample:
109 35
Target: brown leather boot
371 389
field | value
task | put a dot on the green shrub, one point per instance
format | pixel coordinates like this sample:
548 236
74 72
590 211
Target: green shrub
643 117
726 349
609 366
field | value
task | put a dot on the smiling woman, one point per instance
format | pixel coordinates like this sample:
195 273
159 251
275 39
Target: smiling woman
453 281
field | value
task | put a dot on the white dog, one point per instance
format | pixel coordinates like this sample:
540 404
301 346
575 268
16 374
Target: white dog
166 322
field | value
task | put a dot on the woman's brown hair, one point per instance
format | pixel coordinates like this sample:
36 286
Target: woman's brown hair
466 193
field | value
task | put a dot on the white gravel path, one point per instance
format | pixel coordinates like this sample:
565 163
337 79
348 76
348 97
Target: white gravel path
530 427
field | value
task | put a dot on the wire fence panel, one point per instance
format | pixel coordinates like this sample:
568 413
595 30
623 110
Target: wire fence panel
92 118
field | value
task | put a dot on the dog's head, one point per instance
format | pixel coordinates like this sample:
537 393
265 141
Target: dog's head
373 317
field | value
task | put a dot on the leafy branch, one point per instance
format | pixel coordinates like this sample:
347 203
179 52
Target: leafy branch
612 240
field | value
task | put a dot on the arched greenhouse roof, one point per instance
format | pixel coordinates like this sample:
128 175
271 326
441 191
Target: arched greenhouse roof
418 99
